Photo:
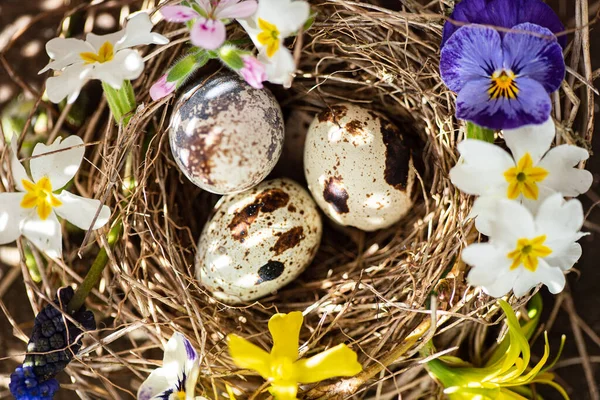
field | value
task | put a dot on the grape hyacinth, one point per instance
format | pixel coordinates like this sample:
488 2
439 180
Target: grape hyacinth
53 343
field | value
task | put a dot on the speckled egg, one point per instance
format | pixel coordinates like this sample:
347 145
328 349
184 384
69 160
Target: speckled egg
358 167
225 135
258 241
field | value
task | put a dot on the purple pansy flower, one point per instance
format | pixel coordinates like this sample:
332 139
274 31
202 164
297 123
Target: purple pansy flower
503 82
505 14
209 30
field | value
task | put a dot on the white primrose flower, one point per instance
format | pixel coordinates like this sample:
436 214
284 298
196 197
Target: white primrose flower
32 211
525 250
529 175
274 21
176 379
108 58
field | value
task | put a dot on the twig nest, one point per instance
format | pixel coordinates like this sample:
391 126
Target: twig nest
225 135
258 241
358 167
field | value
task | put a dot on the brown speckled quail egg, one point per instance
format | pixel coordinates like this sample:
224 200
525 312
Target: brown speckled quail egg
225 135
258 241
358 167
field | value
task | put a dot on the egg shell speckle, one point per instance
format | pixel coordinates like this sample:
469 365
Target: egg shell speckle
358 167
258 241
225 135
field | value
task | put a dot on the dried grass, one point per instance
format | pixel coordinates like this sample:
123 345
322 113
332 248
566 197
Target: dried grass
385 293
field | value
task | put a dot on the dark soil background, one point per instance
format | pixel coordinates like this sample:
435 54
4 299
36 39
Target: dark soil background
27 57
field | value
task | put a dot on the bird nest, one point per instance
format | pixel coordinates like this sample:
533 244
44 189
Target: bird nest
385 293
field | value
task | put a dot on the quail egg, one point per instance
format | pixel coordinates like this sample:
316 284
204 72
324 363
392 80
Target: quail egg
358 167
258 241
225 135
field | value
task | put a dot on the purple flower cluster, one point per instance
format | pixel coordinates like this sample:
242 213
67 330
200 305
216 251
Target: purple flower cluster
504 60
25 385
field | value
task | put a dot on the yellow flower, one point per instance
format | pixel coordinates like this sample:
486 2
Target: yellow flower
281 367
507 374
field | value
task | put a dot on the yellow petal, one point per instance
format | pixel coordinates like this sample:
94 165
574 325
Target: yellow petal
54 202
525 162
511 174
530 190
284 390
285 330
266 25
43 209
29 200
537 174
514 190
249 356
45 184
28 185
337 361
264 38
272 48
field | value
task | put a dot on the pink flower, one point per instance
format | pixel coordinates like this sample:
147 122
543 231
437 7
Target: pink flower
253 72
208 31
162 88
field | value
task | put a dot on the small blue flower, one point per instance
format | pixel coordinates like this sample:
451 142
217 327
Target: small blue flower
504 14
24 385
503 82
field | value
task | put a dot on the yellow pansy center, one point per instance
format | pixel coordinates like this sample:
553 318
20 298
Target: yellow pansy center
503 85
523 178
269 36
179 395
105 54
39 195
528 252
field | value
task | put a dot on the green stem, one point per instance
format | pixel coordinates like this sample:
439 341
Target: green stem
121 102
95 273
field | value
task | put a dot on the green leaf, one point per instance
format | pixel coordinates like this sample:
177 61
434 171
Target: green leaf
309 22
479 132
120 101
182 68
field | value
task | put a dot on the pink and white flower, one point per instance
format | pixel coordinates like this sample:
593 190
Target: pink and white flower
253 72
162 88
209 30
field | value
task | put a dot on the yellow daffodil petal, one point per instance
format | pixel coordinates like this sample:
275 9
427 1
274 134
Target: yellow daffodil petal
249 356
285 330
284 390
337 361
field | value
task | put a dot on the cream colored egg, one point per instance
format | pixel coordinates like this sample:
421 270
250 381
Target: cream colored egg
258 241
358 167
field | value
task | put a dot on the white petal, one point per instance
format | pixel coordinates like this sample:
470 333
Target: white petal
534 205
138 31
96 41
45 235
502 285
81 211
481 169
484 212
553 278
65 52
566 258
563 177
68 84
288 16
11 215
280 68
179 355
558 218
251 27
156 384
17 169
513 221
488 263
532 139
127 64
60 166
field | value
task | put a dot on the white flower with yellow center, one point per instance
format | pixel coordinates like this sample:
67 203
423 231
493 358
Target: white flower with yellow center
176 379
108 58
525 250
32 211
530 174
273 22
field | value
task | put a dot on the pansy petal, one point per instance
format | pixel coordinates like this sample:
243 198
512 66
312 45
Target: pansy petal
539 13
64 52
61 165
532 139
481 169
473 52
280 68
46 234
563 176
288 16
532 51
81 211
17 169
178 13
243 9
68 84
285 330
553 278
179 352
126 65
138 31
156 384
337 361
11 215
249 356
208 33
513 221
